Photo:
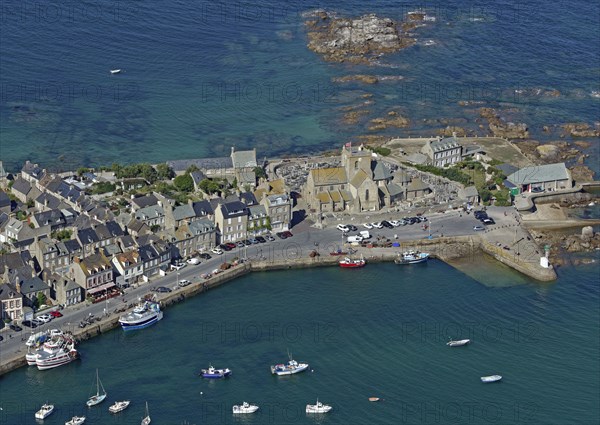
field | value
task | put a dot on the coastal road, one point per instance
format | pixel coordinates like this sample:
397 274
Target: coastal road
299 246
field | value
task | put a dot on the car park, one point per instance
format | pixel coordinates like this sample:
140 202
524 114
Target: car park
15 328
55 313
260 239
342 227
368 226
163 289
193 261
217 250
205 256
478 228
183 282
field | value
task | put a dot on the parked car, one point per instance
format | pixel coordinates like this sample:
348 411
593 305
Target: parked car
254 241
217 250
342 227
225 247
15 328
488 221
240 244
536 190
44 318
422 219
352 227
288 234
216 271
260 239
178 266
368 226
387 224
230 245
30 324
281 235
377 225
479 214
163 289
478 228
183 282
193 261
55 313
205 256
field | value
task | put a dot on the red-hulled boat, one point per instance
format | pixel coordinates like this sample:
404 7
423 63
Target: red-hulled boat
352 264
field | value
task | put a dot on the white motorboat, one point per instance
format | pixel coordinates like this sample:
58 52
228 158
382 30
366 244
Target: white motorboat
245 408
141 317
115 71
44 411
318 408
458 343
491 378
146 419
54 353
119 406
76 420
99 396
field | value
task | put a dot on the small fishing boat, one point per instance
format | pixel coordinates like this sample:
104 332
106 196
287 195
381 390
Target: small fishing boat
374 398
290 368
318 408
146 419
212 373
491 378
119 406
458 343
99 396
412 257
44 411
76 420
245 408
115 71
352 264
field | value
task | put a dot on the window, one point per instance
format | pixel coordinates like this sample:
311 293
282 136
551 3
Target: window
228 221
356 165
367 195
240 219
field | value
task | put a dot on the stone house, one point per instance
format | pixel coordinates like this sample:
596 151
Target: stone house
94 274
154 253
231 219
11 302
279 211
417 189
549 177
31 289
259 221
129 267
443 151
66 291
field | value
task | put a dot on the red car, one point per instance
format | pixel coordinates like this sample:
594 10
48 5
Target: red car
230 245
288 234
55 314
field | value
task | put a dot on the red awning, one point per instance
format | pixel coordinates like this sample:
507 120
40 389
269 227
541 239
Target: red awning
101 288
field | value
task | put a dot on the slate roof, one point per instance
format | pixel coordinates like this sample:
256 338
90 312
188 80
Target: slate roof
52 218
444 144
33 170
248 198
197 177
417 184
8 291
72 246
10 261
48 201
202 163
234 209
202 208
4 199
394 189
256 211
183 212
539 174
201 226
417 158
94 264
247 177
21 185
145 201
33 285
153 211
507 169
380 171
87 235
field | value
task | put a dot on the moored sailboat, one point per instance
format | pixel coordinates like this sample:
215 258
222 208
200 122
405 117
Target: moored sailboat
146 419
99 396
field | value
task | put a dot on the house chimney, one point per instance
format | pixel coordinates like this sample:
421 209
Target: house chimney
17 283
454 134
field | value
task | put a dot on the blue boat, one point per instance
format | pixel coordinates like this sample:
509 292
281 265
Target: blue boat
141 317
212 373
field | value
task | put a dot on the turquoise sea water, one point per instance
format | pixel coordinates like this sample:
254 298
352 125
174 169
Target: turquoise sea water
200 77
379 331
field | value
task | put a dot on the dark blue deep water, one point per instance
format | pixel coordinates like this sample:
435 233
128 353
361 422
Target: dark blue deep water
202 76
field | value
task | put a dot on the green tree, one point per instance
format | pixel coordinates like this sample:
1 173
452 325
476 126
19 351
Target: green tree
82 170
148 172
191 169
62 235
184 183
209 186
41 299
260 172
164 171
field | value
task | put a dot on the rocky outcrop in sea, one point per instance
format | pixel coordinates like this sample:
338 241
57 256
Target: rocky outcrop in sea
354 40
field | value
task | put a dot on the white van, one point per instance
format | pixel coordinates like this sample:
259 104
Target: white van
356 238
365 234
